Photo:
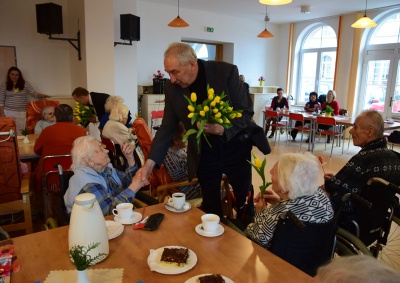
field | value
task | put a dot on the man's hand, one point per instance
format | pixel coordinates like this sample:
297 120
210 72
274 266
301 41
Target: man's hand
146 169
93 119
210 128
138 182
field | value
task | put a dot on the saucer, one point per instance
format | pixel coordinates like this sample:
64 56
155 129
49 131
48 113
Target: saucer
199 229
185 207
114 229
135 217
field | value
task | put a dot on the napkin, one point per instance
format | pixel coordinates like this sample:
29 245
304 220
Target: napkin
95 275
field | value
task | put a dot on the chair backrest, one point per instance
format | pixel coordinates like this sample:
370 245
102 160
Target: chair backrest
304 245
110 146
10 169
271 113
33 111
326 120
296 117
50 173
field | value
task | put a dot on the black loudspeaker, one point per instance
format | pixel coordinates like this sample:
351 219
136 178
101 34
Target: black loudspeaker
49 18
130 27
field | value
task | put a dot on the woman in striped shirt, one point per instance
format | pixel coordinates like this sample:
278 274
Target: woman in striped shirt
14 97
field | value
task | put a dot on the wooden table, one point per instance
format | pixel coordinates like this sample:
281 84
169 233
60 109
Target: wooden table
230 254
26 152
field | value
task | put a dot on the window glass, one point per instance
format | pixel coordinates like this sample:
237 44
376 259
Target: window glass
388 31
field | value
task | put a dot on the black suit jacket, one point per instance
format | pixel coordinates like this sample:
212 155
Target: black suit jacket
221 77
98 100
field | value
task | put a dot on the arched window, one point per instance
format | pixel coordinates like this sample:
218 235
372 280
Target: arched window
317 62
381 75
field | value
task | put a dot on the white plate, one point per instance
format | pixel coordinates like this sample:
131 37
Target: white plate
135 217
114 229
186 207
154 260
194 278
220 230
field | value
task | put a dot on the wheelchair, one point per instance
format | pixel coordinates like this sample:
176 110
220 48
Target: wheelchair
370 229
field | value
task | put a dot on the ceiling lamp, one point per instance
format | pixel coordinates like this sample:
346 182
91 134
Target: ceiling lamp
305 9
364 22
275 2
265 33
178 22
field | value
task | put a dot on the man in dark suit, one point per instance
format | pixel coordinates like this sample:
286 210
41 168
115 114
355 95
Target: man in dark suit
230 148
96 99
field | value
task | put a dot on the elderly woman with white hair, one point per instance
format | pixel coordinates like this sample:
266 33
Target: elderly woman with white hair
94 174
48 119
115 128
294 187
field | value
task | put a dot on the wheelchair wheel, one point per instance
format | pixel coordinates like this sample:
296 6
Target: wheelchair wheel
390 253
348 244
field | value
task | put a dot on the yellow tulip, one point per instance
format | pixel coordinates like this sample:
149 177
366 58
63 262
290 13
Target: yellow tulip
193 97
232 116
78 118
191 108
190 115
210 97
218 115
213 103
137 115
230 108
257 162
238 115
206 108
217 99
210 91
220 121
202 113
215 110
226 121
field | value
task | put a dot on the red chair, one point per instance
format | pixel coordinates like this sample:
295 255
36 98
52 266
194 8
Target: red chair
33 110
51 179
155 116
270 114
297 117
14 192
333 131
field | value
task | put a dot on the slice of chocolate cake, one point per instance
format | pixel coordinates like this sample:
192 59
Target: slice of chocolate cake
213 278
176 256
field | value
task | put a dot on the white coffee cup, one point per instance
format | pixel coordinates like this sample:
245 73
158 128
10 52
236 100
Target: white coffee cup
210 222
123 211
177 200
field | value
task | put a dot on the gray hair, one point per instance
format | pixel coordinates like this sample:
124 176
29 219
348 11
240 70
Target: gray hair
182 51
81 148
112 101
372 118
298 174
44 109
119 112
357 269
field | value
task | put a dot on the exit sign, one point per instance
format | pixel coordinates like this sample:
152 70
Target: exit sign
209 29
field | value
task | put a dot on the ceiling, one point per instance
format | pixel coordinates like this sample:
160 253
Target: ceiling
290 13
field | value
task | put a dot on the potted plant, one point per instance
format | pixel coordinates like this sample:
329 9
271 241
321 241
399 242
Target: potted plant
24 132
82 259
343 111
261 80
328 111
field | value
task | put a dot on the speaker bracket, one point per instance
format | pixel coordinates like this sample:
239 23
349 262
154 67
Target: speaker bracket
123 43
71 41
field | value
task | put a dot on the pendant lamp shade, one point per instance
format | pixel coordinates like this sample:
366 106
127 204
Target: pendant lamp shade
265 34
275 2
178 22
364 22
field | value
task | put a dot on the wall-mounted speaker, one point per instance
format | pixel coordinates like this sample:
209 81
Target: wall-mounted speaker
130 27
49 18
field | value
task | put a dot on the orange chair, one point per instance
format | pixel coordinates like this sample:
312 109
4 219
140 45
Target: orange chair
294 117
14 192
155 116
270 114
334 130
33 110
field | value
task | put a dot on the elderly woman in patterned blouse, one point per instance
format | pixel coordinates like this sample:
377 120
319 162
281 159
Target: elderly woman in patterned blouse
294 187
93 173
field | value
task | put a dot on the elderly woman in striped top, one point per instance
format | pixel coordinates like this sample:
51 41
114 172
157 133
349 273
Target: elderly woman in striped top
14 97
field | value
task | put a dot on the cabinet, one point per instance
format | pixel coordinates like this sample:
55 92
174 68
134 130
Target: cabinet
261 96
152 102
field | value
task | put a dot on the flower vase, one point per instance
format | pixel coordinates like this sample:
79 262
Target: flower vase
26 140
82 277
261 83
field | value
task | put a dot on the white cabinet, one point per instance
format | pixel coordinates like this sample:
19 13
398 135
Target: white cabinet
152 102
262 96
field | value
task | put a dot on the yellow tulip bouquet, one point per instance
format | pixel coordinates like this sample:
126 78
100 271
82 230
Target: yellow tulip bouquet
260 167
83 113
213 110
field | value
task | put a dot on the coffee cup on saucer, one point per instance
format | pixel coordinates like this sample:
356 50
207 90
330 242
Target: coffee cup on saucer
123 211
210 222
177 200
